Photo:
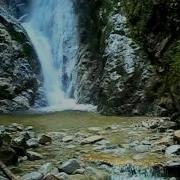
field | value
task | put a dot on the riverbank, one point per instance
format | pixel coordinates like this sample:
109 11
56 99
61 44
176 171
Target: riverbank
94 141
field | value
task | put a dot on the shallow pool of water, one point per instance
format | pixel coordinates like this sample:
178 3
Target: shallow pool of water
72 122
66 119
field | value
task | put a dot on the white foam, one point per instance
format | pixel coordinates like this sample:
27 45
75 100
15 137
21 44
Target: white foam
52 28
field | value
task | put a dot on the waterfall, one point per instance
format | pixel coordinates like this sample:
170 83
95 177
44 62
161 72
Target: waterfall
52 27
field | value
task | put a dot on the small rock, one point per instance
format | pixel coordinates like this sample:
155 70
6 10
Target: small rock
177 136
94 129
145 142
68 138
150 124
92 139
3 178
32 143
22 159
44 139
164 141
71 146
29 128
8 156
70 166
51 177
19 141
7 138
25 134
173 150
113 127
62 176
79 171
80 134
167 125
19 127
20 150
48 168
172 168
31 134
142 148
159 149
32 176
32 156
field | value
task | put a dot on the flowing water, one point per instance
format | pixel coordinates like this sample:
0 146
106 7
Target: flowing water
52 27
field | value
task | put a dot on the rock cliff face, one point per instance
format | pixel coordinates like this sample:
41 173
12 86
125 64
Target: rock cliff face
19 67
89 63
138 55
128 62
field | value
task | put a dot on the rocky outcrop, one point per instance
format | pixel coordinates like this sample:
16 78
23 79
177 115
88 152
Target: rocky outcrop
19 67
125 74
17 8
89 63
131 64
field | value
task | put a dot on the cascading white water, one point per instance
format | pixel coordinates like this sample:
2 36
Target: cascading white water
52 28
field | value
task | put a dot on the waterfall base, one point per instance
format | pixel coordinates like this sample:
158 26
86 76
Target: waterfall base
68 104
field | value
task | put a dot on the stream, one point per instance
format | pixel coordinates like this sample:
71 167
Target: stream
117 152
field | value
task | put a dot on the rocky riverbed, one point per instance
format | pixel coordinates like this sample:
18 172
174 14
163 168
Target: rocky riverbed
79 145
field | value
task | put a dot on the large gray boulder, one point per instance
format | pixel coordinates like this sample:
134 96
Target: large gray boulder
32 176
70 166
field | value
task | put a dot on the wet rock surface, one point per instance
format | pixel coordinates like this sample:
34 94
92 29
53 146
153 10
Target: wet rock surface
116 145
125 57
19 67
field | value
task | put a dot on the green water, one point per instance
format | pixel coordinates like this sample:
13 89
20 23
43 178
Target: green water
66 120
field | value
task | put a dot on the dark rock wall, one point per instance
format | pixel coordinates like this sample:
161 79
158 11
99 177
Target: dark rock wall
89 64
19 67
137 45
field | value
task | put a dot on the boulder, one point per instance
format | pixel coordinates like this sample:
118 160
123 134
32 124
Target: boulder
142 148
48 168
92 139
68 138
70 166
8 155
44 139
32 156
177 136
32 176
25 134
20 150
19 127
32 143
29 128
173 150
19 141
172 168
164 141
